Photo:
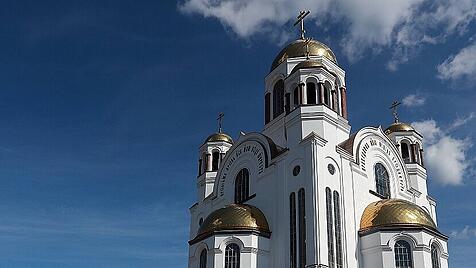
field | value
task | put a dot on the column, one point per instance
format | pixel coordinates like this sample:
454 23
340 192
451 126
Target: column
321 92
209 162
343 94
413 157
421 158
302 90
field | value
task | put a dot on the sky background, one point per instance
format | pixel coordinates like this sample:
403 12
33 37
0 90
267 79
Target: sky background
103 105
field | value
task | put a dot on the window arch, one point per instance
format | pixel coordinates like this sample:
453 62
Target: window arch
242 185
405 152
232 256
215 160
203 259
278 98
311 93
382 180
403 254
435 256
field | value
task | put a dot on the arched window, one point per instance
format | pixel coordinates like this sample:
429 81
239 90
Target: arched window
338 230
330 229
199 166
215 160
296 97
435 256
242 184
287 101
232 256
405 152
203 259
302 228
204 162
267 108
311 93
278 98
292 231
382 180
403 255
327 94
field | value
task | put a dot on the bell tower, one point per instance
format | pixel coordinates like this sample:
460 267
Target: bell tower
305 92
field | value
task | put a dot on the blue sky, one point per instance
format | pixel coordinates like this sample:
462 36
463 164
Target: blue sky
103 105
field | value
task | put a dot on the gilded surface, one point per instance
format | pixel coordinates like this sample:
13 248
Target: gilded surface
306 65
298 49
219 137
394 212
234 217
398 127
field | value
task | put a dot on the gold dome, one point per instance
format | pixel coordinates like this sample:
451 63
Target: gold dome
395 212
399 127
234 217
298 49
217 137
307 64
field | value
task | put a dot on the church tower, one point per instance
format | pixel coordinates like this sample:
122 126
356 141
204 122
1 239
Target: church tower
305 192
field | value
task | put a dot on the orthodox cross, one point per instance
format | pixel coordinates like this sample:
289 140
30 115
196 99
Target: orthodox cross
220 121
394 108
300 20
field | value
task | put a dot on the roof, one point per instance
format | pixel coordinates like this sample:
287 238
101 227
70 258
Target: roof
218 137
298 49
398 127
233 217
307 64
395 212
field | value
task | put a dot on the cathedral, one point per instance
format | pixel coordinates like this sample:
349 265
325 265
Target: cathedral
308 192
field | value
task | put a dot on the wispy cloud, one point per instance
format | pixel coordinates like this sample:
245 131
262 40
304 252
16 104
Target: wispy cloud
414 100
461 65
465 233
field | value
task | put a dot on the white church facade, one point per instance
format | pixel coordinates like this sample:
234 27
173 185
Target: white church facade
306 192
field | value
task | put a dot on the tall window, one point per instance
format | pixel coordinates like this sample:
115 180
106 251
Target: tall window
267 108
382 180
403 255
278 98
302 228
292 231
435 257
215 160
287 100
296 97
204 163
405 152
232 256
242 186
203 259
338 231
327 93
199 167
311 93
330 229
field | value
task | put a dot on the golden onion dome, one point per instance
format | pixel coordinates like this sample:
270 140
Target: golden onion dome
399 127
298 49
234 217
218 137
395 212
307 64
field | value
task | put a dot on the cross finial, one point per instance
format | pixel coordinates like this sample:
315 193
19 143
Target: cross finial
300 20
394 108
220 121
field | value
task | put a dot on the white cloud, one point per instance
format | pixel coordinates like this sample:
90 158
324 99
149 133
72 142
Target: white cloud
401 25
461 65
445 156
466 233
413 100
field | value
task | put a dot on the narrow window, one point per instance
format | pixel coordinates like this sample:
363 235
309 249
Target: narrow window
382 180
292 231
435 257
405 152
403 255
203 259
326 95
242 186
232 256
302 228
296 97
278 98
204 162
338 231
215 160
330 229
287 99
199 167
267 108
311 93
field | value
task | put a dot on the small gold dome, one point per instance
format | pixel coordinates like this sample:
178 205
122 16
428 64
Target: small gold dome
395 212
217 137
298 49
234 217
307 64
399 127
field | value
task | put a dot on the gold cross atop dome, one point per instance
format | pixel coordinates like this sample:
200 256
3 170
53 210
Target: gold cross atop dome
394 106
220 121
300 20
